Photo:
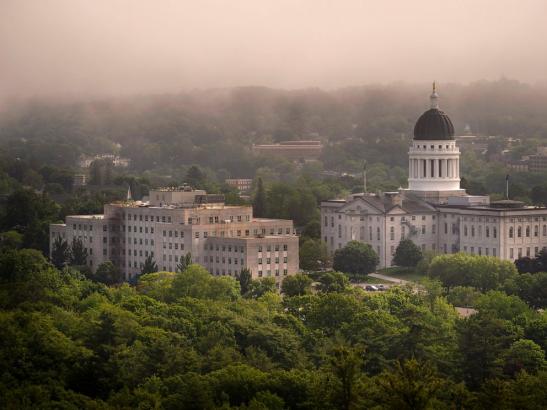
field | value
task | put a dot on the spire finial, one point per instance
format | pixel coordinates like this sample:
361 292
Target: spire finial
434 97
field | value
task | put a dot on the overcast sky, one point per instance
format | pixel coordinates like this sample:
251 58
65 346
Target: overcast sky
140 46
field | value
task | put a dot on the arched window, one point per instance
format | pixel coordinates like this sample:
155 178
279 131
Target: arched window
487 232
527 231
472 230
519 232
510 232
536 230
465 230
495 232
378 233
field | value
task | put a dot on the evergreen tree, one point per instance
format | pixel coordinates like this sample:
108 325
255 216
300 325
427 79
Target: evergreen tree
149 266
78 253
407 254
245 278
60 254
184 262
259 202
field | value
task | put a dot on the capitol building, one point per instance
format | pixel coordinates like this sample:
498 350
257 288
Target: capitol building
434 211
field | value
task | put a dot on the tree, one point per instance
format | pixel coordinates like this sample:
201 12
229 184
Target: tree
184 262
526 264
10 240
332 282
482 340
60 253
524 355
259 287
356 257
196 282
410 386
259 201
463 296
532 288
108 273
149 266
345 366
407 254
313 255
481 272
78 253
245 278
296 285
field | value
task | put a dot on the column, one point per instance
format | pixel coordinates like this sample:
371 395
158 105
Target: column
446 168
427 168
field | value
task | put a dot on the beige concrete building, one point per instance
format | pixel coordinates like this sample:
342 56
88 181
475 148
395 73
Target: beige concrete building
224 239
434 212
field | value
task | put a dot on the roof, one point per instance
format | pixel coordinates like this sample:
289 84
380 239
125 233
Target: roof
386 203
434 124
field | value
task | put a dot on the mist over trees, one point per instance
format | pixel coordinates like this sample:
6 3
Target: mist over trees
215 128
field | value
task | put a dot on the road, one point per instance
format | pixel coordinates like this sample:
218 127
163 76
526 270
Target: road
388 278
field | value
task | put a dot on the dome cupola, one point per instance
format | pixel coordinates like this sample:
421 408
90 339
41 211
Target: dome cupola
434 124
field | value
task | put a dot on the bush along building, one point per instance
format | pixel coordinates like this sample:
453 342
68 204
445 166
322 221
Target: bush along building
434 212
176 221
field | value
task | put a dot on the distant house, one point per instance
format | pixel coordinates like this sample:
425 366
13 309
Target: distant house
85 161
241 184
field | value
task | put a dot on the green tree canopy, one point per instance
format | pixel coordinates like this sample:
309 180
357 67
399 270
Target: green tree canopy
356 257
296 285
407 254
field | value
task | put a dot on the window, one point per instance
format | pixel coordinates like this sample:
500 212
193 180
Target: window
527 233
392 233
378 233
487 232
536 230
511 232
423 229
519 231
465 230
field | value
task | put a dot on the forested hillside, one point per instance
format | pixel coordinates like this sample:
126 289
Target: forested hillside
190 340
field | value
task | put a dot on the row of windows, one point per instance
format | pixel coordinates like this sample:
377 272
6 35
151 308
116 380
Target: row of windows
269 247
84 227
145 218
479 250
269 273
486 231
527 231
139 241
362 218
269 260
519 252
229 248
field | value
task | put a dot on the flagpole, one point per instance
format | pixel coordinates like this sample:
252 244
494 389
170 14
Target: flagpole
507 186
365 177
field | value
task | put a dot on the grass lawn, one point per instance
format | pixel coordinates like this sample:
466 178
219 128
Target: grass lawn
403 273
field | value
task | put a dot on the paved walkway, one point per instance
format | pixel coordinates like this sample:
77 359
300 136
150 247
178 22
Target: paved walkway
388 278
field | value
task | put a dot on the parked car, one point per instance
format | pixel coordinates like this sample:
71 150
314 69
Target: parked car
381 287
371 288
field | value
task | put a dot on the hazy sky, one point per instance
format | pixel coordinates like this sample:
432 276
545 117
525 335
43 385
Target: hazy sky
121 46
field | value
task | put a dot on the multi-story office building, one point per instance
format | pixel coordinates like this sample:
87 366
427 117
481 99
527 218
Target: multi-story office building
224 239
434 212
